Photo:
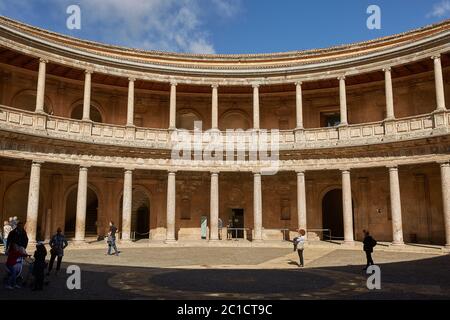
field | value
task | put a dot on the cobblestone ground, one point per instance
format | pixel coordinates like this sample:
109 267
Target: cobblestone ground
243 273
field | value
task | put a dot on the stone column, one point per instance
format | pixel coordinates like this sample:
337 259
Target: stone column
80 224
87 96
130 105
255 106
343 100
439 83
173 106
127 204
33 201
215 107
214 207
40 95
301 200
396 207
299 105
257 207
171 205
445 183
390 115
347 206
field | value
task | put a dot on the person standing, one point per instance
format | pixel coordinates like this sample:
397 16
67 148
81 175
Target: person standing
57 244
112 239
220 225
299 245
39 266
369 244
14 264
6 230
18 235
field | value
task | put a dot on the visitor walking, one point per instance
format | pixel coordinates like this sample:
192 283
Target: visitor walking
369 244
112 239
57 245
299 245
39 266
220 225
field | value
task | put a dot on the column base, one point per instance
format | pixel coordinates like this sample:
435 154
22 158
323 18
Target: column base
397 243
214 240
349 243
78 242
170 241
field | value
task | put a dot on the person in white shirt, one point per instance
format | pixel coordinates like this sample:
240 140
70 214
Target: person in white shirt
299 245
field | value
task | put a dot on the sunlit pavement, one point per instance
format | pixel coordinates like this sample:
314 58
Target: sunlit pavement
244 273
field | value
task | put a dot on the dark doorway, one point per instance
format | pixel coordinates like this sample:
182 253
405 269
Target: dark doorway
237 221
332 214
142 222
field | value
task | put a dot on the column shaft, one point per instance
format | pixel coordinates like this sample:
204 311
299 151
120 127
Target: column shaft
173 105
87 95
445 183
396 207
130 106
347 206
389 94
257 207
214 207
33 201
343 101
171 192
301 200
439 83
40 95
80 224
255 106
299 105
127 204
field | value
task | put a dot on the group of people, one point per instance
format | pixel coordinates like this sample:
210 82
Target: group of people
368 244
15 241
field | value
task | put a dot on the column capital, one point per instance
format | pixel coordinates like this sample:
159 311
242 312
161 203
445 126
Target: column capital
131 79
44 60
387 69
214 172
84 167
173 83
128 169
342 77
256 173
436 56
444 163
300 172
345 170
255 85
215 85
37 163
88 71
172 172
392 167
298 83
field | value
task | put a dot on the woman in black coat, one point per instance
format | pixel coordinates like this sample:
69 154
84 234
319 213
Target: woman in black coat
39 266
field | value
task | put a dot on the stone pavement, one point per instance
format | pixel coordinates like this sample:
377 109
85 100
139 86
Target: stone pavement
245 273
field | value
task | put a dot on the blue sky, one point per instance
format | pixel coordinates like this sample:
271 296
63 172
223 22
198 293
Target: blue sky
227 26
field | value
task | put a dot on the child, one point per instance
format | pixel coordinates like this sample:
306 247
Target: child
39 266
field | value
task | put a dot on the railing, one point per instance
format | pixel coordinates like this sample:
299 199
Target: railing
17 120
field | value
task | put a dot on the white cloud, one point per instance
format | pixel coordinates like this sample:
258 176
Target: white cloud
170 25
441 9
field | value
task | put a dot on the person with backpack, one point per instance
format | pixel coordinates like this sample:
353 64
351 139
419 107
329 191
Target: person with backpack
57 244
299 243
111 240
39 266
369 244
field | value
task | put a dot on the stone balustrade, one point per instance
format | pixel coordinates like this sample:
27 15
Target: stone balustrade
415 127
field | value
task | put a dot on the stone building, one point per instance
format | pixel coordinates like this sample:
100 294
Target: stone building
87 137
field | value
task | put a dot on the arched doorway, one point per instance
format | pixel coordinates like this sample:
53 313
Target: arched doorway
332 214
26 100
140 214
91 213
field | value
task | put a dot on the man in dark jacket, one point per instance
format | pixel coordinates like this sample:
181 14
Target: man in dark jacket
57 244
369 243
18 236
39 266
